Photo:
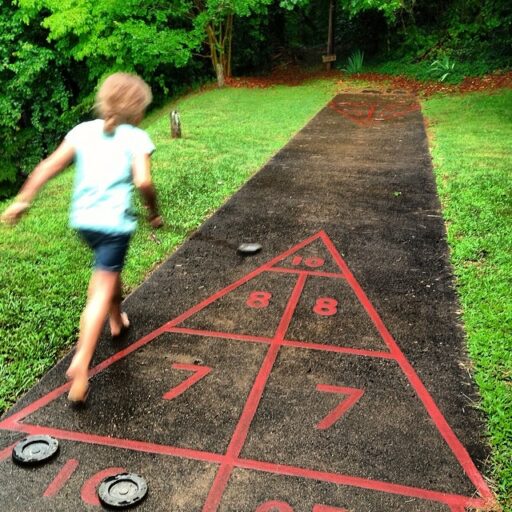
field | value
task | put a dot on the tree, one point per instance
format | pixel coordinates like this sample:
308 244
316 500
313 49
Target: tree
34 96
142 35
137 35
215 19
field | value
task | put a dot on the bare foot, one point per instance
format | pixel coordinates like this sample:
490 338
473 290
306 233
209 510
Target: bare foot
116 327
78 374
79 382
79 390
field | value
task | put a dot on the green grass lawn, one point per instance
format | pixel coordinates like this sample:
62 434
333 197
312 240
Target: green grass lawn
228 135
471 138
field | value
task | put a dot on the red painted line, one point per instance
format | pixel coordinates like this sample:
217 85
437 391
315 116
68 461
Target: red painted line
7 452
318 273
217 488
334 348
241 430
353 395
456 446
361 114
289 343
62 477
88 491
116 442
199 372
363 483
252 403
218 334
290 309
350 117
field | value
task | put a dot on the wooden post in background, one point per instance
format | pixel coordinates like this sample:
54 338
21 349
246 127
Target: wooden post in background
175 125
330 35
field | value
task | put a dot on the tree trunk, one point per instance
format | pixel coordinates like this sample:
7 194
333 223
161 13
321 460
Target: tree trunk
229 38
219 71
220 40
330 34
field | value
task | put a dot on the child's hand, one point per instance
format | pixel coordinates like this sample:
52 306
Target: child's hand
156 222
13 214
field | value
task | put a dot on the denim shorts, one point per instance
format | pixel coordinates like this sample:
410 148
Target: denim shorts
109 249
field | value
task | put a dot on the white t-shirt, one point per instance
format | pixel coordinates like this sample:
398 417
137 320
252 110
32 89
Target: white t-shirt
102 193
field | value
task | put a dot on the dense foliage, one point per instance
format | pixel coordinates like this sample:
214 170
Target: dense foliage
36 97
54 52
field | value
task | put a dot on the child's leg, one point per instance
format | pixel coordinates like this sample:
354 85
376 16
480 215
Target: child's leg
117 318
102 289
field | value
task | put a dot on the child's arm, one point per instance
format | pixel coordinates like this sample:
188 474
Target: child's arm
141 168
44 171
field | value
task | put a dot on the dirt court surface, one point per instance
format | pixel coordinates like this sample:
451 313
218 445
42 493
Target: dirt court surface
326 373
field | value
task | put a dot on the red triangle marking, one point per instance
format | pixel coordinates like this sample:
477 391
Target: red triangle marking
199 372
372 113
352 396
13 422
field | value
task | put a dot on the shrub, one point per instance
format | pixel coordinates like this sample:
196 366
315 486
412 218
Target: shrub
355 62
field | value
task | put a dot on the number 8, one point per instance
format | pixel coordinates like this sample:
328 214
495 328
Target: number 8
259 299
325 306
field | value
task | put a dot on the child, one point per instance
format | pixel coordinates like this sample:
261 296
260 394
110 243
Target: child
111 156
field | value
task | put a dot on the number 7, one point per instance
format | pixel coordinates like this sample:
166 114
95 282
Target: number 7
353 395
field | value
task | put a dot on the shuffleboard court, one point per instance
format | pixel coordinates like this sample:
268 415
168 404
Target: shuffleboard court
325 373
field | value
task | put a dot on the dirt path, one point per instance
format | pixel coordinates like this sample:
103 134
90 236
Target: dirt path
326 373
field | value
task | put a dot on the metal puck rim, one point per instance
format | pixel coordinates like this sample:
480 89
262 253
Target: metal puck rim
20 456
110 482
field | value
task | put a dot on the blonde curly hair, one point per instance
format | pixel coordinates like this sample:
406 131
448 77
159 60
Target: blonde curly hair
122 99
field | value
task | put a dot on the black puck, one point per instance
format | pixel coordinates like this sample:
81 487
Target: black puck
123 490
35 450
